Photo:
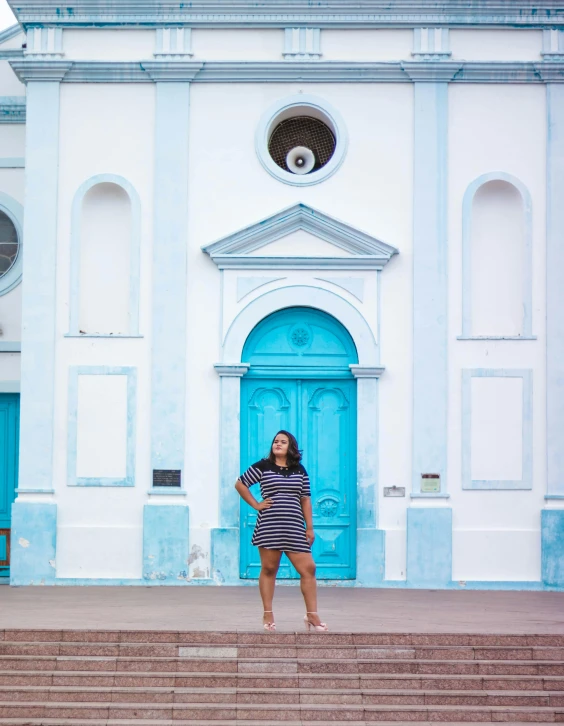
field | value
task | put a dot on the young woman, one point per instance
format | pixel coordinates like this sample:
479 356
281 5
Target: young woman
284 523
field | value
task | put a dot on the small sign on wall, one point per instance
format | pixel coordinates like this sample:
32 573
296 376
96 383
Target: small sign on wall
394 491
430 483
166 477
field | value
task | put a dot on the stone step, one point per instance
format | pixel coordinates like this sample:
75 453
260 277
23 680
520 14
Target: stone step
212 722
273 650
277 695
281 665
265 680
290 638
262 712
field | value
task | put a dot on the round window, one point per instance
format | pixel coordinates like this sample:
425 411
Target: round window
9 244
301 144
301 140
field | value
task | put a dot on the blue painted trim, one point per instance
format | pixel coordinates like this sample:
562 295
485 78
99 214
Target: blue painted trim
282 13
14 211
555 289
526 481
496 337
12 109
9 386
429 546
168 363
167 491
39 292
298 105
554 496
100 335
552 547
34 543
430 283
429 495
165 542
15 162
384 584
35 491
10 346
134 250
527 279
235 71
74 373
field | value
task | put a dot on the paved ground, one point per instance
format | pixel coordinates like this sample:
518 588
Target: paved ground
239 608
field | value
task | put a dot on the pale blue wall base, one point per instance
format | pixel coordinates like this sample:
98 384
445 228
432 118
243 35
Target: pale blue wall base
225 555
34 541
429 546
552 547
165 542
370 557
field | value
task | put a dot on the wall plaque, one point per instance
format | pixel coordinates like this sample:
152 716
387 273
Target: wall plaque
166 477
394 491
430 483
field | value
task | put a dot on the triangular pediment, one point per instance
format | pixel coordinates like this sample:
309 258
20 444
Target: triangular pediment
298 237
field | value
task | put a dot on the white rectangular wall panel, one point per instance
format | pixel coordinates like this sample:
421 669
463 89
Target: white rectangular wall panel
102 426
496 45
497 423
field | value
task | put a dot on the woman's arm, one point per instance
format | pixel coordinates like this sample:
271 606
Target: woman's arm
246 495
308 516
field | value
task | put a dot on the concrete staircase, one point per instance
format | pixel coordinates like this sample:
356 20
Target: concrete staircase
158 677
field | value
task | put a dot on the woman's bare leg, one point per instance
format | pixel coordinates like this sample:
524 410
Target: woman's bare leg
270 562
304 564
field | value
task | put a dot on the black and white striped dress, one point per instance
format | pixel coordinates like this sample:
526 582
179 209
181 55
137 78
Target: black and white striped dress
282 526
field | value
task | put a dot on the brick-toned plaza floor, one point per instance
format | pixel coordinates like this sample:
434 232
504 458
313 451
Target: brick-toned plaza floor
239 608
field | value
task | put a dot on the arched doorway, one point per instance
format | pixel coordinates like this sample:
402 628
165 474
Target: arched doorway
299 379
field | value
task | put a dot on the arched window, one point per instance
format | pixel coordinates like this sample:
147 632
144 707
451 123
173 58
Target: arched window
497 287
105 259
11 220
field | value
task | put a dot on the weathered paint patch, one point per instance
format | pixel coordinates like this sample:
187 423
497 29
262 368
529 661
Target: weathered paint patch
34 528
165 541
552 547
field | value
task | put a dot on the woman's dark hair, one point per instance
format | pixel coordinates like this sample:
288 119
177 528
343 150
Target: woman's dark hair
294 455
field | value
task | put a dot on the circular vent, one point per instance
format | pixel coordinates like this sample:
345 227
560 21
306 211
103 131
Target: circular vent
305 132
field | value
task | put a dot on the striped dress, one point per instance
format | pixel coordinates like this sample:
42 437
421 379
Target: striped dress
282 526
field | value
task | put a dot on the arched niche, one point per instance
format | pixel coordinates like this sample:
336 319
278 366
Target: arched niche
105 241
497 259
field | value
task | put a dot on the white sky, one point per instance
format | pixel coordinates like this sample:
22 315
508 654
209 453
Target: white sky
6 16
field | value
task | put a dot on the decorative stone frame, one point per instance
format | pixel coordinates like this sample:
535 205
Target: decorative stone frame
14 211
306 104
235 251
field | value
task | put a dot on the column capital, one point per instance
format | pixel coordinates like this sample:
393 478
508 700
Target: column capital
366 371
172 70
40 70
235 370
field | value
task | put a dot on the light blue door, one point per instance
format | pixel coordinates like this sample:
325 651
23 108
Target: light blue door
9 436
300 380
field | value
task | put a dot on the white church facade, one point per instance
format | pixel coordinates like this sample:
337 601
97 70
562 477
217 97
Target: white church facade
222 219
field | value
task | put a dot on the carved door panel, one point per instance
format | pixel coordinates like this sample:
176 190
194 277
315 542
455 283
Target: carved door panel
9 435
266 407
322 414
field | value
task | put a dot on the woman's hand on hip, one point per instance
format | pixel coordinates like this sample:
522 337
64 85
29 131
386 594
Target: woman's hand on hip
265 504
310 536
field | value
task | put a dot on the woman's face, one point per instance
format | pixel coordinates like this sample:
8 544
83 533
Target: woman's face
280 445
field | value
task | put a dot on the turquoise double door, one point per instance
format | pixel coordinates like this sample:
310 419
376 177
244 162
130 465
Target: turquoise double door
299 380
9 435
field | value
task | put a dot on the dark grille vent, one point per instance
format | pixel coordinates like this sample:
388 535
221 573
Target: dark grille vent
302 131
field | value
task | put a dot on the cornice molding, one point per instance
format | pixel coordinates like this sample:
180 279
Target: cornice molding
282 71
292 13
235 250
12 109
10 33
41 70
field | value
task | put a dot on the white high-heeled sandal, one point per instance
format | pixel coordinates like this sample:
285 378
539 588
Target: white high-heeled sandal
321 628
269 627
